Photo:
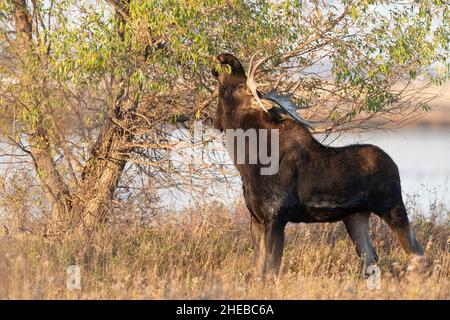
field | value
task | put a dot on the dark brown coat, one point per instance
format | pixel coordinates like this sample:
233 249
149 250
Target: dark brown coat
315 183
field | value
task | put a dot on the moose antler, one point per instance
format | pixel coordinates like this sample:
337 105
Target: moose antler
251 84
284 101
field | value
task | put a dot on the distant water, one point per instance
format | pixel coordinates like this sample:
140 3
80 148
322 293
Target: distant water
422 155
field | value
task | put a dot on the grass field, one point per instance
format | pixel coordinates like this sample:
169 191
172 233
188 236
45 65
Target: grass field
207 253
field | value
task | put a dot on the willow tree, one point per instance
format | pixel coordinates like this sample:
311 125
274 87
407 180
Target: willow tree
86 86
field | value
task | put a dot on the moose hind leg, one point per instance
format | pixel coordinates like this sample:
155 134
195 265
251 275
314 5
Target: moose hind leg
397 219
358 229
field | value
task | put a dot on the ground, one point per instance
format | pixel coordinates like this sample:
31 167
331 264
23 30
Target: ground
206 253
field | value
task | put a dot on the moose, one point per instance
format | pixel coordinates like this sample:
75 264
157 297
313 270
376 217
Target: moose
314 182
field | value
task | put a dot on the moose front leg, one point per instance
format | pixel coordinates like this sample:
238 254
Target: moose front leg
259 245
268 243
274 234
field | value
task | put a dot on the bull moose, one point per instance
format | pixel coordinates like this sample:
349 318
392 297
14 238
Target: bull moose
314 182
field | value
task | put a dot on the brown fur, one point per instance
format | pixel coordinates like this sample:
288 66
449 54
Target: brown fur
315 183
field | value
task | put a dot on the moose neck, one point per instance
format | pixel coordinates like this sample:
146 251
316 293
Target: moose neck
229 86
237 110
241 113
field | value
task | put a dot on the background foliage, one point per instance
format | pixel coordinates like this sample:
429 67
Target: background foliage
88 87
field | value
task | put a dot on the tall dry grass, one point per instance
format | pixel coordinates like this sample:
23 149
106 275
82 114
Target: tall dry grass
207 253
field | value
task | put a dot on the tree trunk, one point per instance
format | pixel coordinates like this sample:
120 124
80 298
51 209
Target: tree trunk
103 170
54 188
89 203
110 153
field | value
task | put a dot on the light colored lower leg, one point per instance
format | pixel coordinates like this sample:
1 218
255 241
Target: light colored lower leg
259 246
261 259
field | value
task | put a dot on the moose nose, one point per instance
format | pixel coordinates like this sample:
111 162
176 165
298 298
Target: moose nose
221 58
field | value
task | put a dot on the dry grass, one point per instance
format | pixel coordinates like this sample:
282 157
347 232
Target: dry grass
206 253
